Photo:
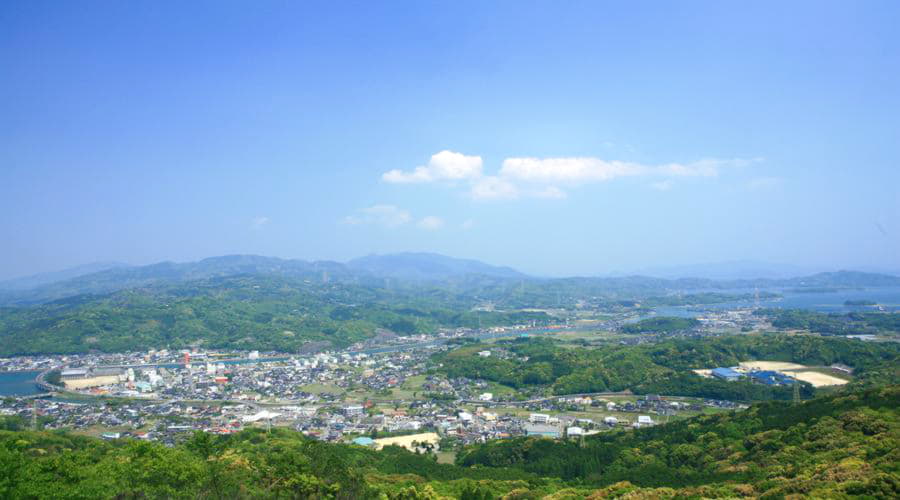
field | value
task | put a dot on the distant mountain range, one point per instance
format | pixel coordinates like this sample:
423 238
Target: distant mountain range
409 269
427 267
36 280
730 270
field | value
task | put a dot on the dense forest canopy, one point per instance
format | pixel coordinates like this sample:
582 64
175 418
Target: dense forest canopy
243 312
854 323
664 324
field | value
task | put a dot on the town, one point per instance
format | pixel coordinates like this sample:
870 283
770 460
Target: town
372 399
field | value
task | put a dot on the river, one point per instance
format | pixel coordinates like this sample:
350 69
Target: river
19 383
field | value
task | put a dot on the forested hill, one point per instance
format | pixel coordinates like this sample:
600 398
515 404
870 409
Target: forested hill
845 445
404 268
242 312
409 270
831 447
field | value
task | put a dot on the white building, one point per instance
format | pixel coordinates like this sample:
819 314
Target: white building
487 396
539 418
353 410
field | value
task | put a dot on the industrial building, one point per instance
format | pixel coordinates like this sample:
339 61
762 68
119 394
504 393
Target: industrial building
726 374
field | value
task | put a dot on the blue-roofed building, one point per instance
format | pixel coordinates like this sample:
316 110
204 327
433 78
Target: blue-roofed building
364 441
770 377
726 374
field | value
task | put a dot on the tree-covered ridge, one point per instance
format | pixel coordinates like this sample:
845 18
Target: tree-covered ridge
245 312
664 324
854 323
251 464
665 367
837 446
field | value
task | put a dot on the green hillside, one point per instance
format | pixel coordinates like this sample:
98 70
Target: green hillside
830 447
244 312
666 367
839 446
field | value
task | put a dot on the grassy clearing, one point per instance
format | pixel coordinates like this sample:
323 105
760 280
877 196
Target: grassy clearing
446 457
321 388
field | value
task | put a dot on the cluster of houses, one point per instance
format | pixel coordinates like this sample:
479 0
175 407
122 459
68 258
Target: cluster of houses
268 380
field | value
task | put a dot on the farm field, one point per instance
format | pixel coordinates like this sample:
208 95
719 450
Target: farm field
817 379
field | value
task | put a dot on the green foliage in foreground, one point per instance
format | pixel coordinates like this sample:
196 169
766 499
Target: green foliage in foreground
251 464
241 312
829 447
665 367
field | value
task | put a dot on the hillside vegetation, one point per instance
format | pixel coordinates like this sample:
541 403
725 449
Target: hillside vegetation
665 367
830 447
855 323
244 312
846 445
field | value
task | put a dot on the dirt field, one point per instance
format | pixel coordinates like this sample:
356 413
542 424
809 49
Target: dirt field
771 365
406 441
818 379
704 372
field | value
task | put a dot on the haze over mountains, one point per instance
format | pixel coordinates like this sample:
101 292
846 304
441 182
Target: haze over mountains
408 268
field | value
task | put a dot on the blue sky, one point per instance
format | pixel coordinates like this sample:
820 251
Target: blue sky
556 137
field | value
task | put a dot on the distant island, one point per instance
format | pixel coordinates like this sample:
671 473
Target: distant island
862 302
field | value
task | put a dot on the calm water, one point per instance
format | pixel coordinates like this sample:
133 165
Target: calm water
19 384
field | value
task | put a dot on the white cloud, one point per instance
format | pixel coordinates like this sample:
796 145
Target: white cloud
530 177
567 170
443 166
381 215
391 216
467 224
259 222
431 223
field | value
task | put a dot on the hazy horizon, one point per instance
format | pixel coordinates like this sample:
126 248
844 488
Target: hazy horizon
559 140
723 270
